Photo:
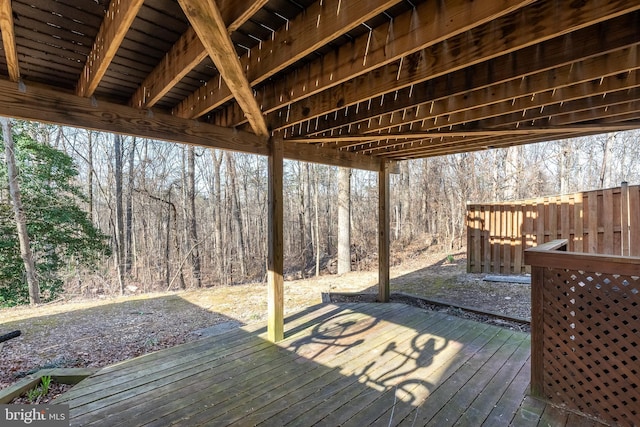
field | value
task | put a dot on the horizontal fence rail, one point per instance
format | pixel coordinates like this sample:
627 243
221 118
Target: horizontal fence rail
585 331
601 221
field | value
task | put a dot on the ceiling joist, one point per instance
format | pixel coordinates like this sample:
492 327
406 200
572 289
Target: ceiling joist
321 23
441 60
117 21
408 33
186 53
428 102
350 83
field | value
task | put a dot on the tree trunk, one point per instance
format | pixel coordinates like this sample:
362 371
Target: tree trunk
217 197
317 212
90 173
129 211
237 214
606 155
344 220
21 220
119 223
192 222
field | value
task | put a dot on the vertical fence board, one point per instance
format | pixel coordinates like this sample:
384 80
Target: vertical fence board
507 218
624 219
495 241
608 219
592 206
578 224
601 221
565 216
518 234
634 221
486 239
540 219
552 213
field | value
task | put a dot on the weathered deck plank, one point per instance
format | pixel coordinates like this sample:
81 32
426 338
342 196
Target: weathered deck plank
339 364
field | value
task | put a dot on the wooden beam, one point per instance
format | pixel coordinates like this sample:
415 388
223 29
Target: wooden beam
324 155
408 33
43 105
208 24
470 49
115 25
384 246
275 324
186 53
321 23
9 40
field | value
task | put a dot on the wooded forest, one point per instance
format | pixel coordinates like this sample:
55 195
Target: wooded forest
179 216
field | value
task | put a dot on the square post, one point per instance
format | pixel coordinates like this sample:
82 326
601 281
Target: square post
537 331
383 232
275 324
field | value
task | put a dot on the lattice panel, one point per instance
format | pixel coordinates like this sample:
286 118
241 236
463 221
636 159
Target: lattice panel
592 343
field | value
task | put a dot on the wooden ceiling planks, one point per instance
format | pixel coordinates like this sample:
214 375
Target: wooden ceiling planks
381 78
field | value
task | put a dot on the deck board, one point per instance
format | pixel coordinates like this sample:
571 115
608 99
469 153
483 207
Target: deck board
339 364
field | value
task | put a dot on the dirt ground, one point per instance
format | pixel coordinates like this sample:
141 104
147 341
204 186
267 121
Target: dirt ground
96 333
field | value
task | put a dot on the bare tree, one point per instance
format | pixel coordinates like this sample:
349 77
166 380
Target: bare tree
119 220
236 213
191 217
18 211
344 220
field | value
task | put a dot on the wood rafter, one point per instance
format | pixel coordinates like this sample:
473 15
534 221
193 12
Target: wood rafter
520 130
115 25
207 22
342 83
442 59
186 53
321 23
430 101
423 119
9 40
408 33
610 116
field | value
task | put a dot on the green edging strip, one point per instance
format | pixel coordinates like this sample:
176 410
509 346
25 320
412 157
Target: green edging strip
58 375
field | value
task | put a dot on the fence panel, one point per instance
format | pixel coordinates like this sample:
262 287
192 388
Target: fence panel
585 333
602 221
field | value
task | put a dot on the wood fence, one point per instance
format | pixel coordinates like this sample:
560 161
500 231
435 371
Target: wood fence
601 221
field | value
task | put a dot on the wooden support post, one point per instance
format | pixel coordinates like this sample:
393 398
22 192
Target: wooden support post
275 327
383 232
537 331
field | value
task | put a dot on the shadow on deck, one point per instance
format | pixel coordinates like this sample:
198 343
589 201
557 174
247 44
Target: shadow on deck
340 364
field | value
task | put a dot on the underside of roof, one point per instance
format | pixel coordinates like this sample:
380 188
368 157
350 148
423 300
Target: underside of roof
344 82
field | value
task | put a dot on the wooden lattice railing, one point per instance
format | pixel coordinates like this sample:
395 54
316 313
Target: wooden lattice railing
585 331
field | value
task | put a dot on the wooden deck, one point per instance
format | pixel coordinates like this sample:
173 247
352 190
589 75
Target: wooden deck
340 364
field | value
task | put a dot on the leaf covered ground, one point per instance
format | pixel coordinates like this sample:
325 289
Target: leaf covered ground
96 333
